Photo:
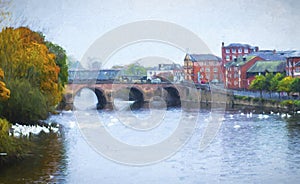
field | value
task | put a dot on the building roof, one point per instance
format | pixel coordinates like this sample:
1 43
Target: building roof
239 61
270 66
297 64
240 45
269 55
202 57
295 53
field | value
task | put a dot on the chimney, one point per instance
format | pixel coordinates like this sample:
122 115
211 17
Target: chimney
274 51
222 44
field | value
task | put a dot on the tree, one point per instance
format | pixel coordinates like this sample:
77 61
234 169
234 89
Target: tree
274 82
285 85
259 83
135 69
269 77
27 104
60 60
25 58
4 92
295 85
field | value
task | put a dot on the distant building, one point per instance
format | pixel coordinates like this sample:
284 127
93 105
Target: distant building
242 70
293 64
202 67
236 72
235 50
168 72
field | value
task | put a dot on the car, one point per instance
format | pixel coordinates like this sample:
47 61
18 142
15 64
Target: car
156 81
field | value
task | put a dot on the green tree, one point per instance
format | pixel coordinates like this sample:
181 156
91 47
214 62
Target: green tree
269 77
274 82
259 83
285 85
295 85
26 105
60 60
135 69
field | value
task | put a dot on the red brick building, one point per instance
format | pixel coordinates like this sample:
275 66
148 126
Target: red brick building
293 64
236 72
235 50
203 67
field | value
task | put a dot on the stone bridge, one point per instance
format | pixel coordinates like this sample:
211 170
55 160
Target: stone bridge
140 93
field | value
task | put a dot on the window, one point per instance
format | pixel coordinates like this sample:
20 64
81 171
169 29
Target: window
240 50
227 51
227 58
215 69
215 76
233 51
207 69
246 51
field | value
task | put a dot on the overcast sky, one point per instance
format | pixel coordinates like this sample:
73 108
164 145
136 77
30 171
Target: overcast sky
76 24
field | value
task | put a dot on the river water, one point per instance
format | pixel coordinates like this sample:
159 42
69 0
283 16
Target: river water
248 148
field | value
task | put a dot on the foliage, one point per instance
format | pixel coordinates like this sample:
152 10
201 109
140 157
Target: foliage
274 82
60 60
4 92
269 77
259 83
12 146
295 85
297 103
287 103
27 104
285 84
135 69
34 70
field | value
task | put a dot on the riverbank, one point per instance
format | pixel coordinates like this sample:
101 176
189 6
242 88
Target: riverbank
285 106
19 141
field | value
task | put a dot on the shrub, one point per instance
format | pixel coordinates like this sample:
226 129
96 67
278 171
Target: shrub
26 105
287 103
13 148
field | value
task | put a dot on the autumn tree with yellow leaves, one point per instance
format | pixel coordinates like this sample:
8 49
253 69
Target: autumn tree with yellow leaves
31 73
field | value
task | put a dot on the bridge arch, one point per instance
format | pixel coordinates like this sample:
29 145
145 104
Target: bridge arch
137 96
172 97
101 98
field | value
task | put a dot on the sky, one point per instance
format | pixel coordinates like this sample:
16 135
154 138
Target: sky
77 24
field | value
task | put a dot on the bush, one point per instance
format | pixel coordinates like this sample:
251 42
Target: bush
13 148
297 103
26 105
246 98
287 103
237 97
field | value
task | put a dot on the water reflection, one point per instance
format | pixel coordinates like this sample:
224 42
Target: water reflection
261 148
46 164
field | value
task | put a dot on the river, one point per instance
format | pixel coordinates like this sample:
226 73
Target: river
248 148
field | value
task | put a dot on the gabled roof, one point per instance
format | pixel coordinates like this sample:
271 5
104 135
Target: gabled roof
239 61
202 57
269 55
269 66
